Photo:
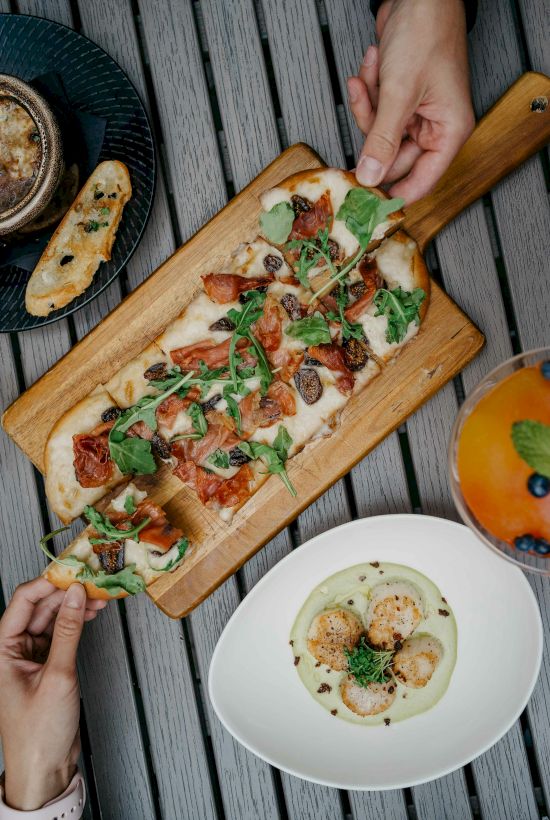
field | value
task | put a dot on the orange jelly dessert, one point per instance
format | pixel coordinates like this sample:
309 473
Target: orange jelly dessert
509 497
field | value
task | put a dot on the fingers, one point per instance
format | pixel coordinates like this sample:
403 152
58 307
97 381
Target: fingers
360 104
404 161
368 72
67 631
21 607
384 138
45 611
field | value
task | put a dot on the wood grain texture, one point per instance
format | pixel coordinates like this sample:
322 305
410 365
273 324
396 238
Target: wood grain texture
506 136
535 16
57 10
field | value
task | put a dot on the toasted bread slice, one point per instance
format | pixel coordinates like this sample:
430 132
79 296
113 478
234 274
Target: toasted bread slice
83 240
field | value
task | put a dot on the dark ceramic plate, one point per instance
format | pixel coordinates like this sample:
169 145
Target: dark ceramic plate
94 84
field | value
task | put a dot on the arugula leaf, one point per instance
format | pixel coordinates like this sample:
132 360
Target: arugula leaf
362 211
311 330
126 580
401 307
182 547
69 560
531 440
130 505
349 329
233 408
250 312
367 665
311 251
276 224
132 455
200 425
108 530
219 458
273 458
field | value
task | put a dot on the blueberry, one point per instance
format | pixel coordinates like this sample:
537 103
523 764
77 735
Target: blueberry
545 369
538 485
524 543
542 547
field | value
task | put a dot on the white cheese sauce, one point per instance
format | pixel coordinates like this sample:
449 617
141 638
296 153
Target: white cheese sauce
351 589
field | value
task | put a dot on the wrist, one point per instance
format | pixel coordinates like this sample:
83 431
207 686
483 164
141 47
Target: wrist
31 787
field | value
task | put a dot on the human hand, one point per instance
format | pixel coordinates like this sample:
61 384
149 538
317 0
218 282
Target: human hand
411 97
39 694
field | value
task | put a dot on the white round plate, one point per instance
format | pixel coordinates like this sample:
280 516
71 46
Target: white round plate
260 699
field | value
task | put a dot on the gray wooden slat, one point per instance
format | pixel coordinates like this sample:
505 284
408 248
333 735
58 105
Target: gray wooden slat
199 190
57 10
352 30
535 16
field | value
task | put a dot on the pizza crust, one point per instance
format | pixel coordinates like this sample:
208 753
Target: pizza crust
67 498
129 385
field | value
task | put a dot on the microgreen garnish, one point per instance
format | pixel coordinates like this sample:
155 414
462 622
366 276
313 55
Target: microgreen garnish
531 440
368 665
274 457
401 308
349 329
276 224
311 330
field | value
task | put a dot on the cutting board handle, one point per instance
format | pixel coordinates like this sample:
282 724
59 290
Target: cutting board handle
513 129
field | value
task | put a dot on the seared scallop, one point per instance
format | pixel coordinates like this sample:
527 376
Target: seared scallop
369 700
395 610
416 661
330 633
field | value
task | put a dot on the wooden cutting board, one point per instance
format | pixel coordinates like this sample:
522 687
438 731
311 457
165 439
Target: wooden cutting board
447 341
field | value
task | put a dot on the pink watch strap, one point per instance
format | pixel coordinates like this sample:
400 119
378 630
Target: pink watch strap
70 804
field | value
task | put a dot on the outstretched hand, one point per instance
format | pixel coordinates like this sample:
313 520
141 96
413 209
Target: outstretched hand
39 694
411 97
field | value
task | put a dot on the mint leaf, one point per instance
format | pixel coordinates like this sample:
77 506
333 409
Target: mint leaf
311 330
532 442
362 211
401 307
219 458
276 224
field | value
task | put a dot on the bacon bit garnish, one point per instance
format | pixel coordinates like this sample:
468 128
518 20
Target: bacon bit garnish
332 356
167 412
318 217
296 660
387 721
372 279
324 687
226 287
92 462
444 612
286 362
269 327
212 354
334 712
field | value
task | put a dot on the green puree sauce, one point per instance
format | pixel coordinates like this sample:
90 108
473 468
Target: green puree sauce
350 589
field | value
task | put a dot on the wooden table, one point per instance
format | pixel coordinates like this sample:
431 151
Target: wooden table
228 85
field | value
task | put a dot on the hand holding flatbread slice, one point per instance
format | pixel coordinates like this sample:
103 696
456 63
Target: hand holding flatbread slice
81 242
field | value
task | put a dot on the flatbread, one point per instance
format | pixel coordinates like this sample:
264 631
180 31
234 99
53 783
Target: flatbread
129 385
67 498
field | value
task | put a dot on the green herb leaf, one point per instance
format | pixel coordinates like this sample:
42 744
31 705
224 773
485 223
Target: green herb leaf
311 330
126 580
133 455
349 329
104 211
273 458
130 505
362 211
368 665
108 530
532 442
311 251
69 560
200 425
219 458
276 224
233 408
182 547
401 308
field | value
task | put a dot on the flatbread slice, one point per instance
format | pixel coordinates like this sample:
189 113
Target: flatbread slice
83 240
66 495
129 384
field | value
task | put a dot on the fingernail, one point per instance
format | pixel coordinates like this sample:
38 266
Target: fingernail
370 56
74 597
352 94
369 171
